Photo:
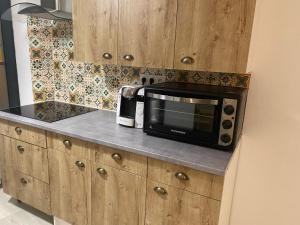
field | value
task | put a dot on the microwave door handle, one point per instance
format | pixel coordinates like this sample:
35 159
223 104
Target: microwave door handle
183 100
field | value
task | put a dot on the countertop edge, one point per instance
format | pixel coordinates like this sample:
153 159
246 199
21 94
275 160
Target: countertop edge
49 128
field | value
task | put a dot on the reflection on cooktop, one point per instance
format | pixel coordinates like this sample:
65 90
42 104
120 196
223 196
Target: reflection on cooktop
49 111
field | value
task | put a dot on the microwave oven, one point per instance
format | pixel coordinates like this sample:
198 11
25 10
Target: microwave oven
205 115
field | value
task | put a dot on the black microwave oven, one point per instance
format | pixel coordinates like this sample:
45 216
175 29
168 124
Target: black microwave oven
205 115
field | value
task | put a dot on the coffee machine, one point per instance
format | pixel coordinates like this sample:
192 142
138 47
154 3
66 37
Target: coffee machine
130 106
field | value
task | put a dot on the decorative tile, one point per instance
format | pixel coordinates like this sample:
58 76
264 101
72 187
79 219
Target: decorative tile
56 76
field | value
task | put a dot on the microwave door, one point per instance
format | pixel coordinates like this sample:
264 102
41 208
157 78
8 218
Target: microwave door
182 116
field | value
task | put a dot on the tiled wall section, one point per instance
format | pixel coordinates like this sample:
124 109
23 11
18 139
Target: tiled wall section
56 76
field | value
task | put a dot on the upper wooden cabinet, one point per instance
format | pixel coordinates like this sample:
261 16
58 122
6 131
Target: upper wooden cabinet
95 30
147 33
213 35
199 35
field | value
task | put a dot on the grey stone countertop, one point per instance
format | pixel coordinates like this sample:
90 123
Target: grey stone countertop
99 127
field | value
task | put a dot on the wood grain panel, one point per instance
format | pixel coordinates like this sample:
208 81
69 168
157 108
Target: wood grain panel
199 182
130 162
70 188
78 148
95 30
118 197
179 207
35 193
3 87
4 127
29 134
2 152
8 158
9 181
147 31
215 33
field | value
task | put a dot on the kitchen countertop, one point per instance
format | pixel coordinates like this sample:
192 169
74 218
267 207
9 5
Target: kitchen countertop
99 127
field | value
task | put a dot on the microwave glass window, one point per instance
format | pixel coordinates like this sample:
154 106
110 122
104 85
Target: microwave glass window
180 115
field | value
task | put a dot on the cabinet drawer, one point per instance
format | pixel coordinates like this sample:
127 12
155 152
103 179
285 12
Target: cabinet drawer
185 178
166 205
34 192
26 158
27 189
71 146
121 160
27 134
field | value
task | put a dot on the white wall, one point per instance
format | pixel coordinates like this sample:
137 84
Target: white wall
22 58
268 182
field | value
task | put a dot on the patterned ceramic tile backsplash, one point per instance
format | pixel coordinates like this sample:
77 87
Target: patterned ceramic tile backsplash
56 76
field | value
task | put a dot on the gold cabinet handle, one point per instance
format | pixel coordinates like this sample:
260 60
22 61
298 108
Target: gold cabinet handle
18 130
117 157
20 148
67 143
187 60
128 57
160 190
101 171
181 176
107 55
23 181
80 164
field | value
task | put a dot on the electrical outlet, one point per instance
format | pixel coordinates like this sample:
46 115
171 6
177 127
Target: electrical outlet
151 79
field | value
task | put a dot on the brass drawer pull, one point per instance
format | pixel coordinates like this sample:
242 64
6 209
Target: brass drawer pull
23 181
107 55
101 171
18 130
128 57
80 164
160 190
187 60
67 143
20 148
181 176
117 157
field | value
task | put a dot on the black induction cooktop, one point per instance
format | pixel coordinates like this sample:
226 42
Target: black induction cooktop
49 111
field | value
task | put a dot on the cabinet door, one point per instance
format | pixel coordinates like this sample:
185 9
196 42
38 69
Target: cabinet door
29 159
70 187
147 33
95 30
168 205
213 35
118 197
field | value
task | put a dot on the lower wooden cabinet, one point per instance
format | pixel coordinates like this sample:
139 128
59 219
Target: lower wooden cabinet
70 179
86 184
118 197
167 205
25 173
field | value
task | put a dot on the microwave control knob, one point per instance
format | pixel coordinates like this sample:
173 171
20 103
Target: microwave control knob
225 138
229 109
227 124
